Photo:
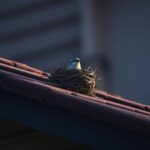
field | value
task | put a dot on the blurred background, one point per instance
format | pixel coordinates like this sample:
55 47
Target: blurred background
110 35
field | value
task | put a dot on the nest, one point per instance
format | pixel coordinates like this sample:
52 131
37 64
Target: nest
82 81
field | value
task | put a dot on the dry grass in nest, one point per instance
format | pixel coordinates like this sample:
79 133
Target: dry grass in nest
82 81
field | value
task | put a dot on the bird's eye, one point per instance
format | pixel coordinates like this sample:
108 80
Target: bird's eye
72 61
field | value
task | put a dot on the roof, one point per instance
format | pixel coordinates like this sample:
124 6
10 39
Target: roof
33 83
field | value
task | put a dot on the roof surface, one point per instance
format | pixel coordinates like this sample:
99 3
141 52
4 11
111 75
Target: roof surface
33 83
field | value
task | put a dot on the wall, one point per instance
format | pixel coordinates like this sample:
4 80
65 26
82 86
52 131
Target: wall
40 33
127 28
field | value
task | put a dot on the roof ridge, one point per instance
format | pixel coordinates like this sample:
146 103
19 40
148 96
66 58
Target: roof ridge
27 71
96 108
23 69
121 100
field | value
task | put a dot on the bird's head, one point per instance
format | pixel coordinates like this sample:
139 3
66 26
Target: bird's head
75 60
74 64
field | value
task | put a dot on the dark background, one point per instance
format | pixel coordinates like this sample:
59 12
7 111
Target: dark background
111 35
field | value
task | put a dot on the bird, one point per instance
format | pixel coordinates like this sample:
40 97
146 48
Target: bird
74 64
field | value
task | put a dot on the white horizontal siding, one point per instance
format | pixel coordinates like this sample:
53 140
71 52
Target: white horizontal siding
43 37
50 62
6 5
48 15
31 44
